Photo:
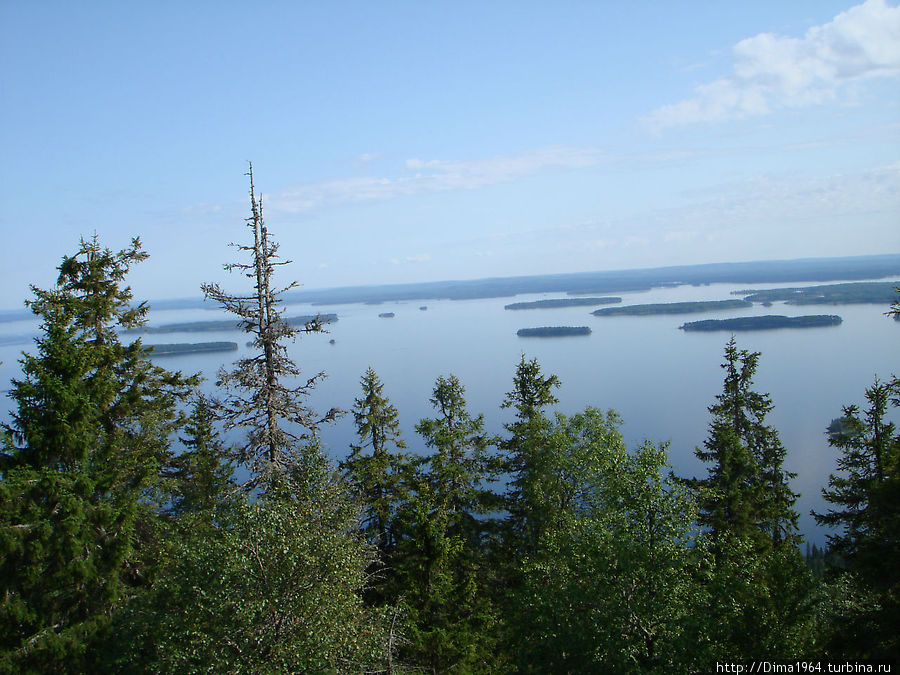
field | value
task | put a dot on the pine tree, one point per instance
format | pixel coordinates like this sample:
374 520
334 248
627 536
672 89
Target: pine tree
81 464
280 425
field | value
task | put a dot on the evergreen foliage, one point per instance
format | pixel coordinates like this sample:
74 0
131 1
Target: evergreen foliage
81 464
528 454
440 563
376 476
746 495
865 507
201 475
564 552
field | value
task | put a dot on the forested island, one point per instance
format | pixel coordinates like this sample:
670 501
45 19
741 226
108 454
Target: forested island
178 348
673 308
553 303
553 331
766 322
874 292
225 324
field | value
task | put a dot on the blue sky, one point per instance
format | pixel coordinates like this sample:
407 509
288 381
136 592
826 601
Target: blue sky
410 141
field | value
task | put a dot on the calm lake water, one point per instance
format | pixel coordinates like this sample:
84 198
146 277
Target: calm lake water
658 378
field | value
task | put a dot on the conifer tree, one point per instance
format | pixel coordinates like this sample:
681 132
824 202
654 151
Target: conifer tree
280 425
528 453
80 465
376 476
758 588
201 476
440 564
746 494
864 496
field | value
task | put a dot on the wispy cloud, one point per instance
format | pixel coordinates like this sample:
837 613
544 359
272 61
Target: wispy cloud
772 71
435 175
418 258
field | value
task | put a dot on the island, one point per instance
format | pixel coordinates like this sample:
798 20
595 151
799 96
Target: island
423 308
553 331
673 308
225 324
766 322
178 348
553 303
386 315
873 292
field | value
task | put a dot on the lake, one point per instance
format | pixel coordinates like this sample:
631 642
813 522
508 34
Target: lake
658 378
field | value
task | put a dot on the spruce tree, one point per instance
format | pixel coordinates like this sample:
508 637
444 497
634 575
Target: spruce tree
746 495
440 562
200 477
528 454
864 496
759 590
81 464
374 468
262 399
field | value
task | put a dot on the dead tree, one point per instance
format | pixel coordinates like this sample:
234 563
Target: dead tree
263 393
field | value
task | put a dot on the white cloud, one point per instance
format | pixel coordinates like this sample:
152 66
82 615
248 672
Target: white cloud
418 258
428 176
772 71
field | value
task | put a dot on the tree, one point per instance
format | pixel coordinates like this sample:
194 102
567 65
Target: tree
376 476
610 586
80 464
275 587
759 590
864 497
746 494
279 422
528 454
439 564
201 476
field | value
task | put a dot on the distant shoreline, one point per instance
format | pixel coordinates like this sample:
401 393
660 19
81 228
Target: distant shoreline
811 270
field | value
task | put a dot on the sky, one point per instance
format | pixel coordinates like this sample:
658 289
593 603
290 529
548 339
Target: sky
401 142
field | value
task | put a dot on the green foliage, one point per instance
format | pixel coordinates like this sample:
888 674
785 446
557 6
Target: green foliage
757 602
81 462
200 476
273 588
673 308
864 496
377 476
746 494
528 454
440 563
609 586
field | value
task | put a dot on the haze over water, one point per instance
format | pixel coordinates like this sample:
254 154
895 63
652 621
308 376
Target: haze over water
658 378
